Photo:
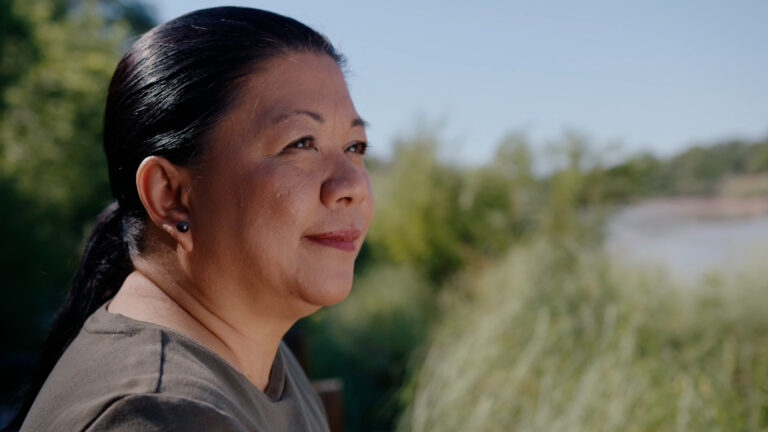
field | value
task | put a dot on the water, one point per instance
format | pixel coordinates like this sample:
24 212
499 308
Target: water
692 238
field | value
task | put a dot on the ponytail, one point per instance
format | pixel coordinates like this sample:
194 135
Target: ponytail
103 267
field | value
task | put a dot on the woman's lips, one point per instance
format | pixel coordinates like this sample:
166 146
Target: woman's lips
342 239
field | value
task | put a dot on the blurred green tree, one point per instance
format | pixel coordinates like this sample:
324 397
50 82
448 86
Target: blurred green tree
418 201
56 59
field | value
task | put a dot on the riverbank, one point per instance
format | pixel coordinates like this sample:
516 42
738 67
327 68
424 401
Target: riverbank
692 237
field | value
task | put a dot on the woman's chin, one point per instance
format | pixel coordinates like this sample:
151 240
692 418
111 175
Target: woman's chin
328 294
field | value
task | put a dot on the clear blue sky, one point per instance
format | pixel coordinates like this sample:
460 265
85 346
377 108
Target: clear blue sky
652 75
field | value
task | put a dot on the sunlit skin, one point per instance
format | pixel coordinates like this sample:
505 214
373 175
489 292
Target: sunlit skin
278 210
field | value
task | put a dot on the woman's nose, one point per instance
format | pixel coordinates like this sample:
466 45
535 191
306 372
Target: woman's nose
346 185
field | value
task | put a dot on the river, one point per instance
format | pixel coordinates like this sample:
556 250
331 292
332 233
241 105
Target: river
693 237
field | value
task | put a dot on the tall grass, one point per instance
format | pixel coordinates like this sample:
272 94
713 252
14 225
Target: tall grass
560 338
367 341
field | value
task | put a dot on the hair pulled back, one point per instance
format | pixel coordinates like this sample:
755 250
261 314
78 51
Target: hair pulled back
169 89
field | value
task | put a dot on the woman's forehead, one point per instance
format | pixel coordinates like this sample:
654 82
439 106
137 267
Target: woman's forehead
297 75
301 87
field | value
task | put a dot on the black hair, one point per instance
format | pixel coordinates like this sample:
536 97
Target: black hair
167 92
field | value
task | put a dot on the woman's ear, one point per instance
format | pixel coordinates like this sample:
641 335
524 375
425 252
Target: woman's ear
164 190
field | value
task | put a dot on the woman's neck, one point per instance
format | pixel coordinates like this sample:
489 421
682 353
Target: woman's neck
248 346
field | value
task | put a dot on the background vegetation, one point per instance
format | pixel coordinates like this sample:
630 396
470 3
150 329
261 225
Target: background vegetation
483 299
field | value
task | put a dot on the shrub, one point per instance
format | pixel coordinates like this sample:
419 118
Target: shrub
562 339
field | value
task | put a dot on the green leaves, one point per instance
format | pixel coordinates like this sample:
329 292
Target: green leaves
56 61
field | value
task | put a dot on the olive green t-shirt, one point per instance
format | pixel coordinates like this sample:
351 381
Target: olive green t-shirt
120 374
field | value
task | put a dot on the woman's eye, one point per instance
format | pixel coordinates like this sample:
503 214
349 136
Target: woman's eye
304 143
358 147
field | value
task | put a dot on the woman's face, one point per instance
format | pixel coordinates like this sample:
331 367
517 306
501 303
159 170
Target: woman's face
282 201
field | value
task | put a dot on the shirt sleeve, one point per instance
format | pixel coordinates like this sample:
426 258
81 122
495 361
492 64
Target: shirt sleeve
158 412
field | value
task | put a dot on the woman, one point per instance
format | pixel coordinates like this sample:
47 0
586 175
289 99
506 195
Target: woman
235 158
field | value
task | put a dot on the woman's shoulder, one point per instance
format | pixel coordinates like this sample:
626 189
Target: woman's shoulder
162 412
117 365
119 372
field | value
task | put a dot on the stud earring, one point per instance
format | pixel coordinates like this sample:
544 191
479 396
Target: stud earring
182 226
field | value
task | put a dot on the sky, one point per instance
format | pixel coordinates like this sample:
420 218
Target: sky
640 76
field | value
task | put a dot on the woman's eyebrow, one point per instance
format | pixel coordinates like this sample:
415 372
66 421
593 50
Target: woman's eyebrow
356 122
286 115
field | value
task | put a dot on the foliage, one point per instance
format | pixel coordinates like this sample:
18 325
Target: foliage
53 114
57 59
418 196
435 225
367 341
699 170
447 223
561 339
17 51
443 218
